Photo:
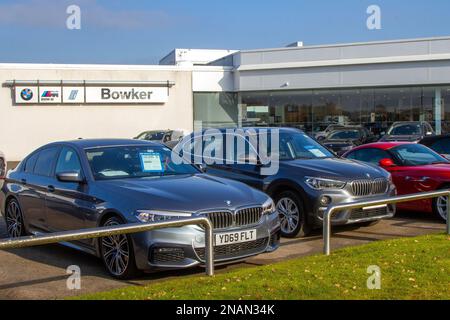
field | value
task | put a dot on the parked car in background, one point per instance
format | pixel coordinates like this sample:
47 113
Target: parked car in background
308 180
324 131
91 183
411 131
414 168
440 144
344 139
168 137
2 165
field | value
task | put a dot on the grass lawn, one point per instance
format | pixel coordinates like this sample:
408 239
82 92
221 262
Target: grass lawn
411 268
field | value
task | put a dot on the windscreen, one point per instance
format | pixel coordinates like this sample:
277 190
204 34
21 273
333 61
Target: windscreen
134 162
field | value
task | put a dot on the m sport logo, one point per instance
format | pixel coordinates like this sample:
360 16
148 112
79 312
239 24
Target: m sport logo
73 95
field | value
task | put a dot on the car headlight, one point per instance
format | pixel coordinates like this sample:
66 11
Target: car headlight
322 183
268 207
158 216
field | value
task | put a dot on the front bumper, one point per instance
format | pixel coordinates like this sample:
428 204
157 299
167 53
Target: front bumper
350 216
180 248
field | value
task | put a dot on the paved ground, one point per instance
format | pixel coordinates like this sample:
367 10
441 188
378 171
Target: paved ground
40 273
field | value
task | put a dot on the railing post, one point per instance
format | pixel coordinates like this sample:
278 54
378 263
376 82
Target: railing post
327 230
209 249
448 214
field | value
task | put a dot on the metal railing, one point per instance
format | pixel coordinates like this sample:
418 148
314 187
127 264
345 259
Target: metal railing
117 230
373 203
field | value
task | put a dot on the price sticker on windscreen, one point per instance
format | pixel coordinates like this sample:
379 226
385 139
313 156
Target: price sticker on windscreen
151 162
318 153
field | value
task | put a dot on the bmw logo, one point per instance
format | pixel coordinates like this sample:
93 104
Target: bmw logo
368 175
228 202
26 94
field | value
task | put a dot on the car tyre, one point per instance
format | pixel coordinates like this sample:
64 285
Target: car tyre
440 207
292 215
15 224
117 253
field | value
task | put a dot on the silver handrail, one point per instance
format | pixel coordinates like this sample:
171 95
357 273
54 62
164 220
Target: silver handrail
369 203
117 230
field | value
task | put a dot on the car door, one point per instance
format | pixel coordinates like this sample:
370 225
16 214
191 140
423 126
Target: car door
244 167
31 197
68 203
37 182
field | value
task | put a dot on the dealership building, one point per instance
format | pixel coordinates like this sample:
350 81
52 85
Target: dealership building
372 84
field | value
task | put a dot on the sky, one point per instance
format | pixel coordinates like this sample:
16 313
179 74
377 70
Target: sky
144 31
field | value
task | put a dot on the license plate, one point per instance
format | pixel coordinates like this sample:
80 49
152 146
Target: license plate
235 237
375 207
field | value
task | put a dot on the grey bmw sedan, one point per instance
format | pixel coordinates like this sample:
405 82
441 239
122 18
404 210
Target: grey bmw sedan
91 183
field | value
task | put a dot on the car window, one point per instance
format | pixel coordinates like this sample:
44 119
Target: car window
349 134
416 154
441 146
135 162
300 146
405 130
45 162
68 161
30 163
369 155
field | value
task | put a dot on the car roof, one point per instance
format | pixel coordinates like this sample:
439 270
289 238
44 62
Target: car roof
98 143
382 145
432 139
257 129
408 122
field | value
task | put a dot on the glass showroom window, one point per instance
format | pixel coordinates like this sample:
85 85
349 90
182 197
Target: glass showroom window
291 109
350 101
444 94
255 109
326 109
215 109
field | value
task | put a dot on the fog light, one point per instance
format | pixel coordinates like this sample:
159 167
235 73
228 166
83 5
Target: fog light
325 200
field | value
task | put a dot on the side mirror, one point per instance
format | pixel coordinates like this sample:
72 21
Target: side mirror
70 176
387 163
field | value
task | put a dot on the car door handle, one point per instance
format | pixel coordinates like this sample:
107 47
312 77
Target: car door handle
51 189
422 179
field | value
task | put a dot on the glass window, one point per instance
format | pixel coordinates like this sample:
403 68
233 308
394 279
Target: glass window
291 109
351 106
416 155
406 129
216 109
344 135
441 146
30 163
134 162
68 161
326 109
300 146
369 155
45 162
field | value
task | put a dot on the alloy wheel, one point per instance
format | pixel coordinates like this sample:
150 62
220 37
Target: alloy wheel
116 251
289 215
441 205
14 221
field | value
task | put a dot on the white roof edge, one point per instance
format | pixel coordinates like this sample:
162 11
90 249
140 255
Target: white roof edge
345 62
349 44
101 67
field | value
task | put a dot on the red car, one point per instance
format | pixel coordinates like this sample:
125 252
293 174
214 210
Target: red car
414 168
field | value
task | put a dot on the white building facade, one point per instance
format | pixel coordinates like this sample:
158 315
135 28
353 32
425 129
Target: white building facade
371 84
